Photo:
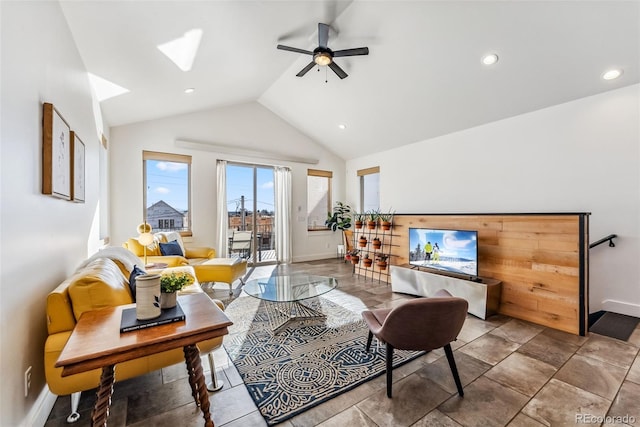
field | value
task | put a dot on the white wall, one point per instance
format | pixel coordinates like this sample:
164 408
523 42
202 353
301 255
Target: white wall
582 156
248 126
42 239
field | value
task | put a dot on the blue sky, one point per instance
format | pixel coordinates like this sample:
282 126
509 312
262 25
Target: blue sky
240 183
168 181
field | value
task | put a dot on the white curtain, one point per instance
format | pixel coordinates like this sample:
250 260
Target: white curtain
223 215
282 184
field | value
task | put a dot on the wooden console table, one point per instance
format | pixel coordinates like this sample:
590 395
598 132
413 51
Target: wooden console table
96 342
483 294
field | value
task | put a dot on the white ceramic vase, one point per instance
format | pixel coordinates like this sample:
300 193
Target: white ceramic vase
147 296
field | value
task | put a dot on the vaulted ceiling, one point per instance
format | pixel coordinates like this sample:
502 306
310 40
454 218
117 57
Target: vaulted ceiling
423 77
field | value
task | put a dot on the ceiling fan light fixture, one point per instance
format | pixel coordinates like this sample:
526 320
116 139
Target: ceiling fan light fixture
322 58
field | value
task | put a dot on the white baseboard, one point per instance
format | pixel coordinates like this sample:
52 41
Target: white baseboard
41 409
621 307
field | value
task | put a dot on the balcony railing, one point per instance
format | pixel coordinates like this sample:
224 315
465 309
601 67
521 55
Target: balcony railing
264 235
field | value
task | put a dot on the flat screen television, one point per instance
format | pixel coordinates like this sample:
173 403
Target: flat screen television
452 251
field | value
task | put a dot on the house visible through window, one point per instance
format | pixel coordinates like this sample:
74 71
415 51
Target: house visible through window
166 224
318 198
167 195
369 188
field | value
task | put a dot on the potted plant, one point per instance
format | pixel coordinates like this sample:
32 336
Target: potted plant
358 219
385 220
169 285
376 243
362 241
367 261
340 219
372 219
381 261
355 258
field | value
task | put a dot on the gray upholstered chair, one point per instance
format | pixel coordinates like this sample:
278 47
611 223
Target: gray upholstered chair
420 324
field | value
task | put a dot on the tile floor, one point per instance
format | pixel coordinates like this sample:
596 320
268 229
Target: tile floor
514 374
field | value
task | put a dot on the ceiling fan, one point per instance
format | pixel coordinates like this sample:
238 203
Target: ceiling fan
322 55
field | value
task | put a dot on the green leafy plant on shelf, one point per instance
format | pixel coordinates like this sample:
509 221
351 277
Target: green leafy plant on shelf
174 282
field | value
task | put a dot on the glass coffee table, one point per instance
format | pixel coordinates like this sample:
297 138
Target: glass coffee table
284 296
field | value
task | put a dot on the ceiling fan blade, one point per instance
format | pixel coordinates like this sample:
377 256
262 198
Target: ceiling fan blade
339 71
294 49
306 69
351 52
323 35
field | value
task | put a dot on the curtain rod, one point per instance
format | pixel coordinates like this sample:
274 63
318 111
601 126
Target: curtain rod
228 149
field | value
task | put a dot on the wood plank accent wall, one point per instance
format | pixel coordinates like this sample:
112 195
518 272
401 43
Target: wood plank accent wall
541 259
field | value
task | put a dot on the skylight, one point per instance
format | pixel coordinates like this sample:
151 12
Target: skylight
183 50
104 89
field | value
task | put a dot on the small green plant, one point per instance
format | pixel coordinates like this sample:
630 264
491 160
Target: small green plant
174 282
386 216
373 215
381 257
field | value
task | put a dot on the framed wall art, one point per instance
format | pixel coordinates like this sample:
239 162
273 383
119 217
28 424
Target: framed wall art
56 154
77 168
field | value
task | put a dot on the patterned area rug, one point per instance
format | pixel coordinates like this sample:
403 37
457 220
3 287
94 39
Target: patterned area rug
307 363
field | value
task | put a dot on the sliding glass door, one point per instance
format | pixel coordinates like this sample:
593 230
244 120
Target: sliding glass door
251 210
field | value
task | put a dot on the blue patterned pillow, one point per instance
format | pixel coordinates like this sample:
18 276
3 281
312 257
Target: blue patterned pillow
171 248
137 271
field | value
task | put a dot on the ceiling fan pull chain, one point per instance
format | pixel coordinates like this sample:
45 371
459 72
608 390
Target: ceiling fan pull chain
326 75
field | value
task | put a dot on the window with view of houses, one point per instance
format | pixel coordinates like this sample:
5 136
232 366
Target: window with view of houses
168 190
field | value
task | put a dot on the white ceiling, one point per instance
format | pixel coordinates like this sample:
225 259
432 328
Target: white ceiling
423 77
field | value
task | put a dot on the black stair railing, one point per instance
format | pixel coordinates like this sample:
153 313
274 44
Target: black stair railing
609 239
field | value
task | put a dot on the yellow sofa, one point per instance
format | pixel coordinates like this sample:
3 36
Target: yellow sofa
101 283
192 255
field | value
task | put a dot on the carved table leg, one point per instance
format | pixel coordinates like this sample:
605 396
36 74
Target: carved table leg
190 362
197 382
100 411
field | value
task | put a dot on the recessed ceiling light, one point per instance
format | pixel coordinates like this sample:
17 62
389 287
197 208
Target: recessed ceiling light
189 90
490 59
342 126
612 74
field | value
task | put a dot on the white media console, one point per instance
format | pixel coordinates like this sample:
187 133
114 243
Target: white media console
483 294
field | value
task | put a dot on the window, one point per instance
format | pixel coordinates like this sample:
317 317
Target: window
167 195
369 188
318 198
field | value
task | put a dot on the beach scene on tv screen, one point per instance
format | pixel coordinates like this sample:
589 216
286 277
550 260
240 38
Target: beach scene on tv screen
455 251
